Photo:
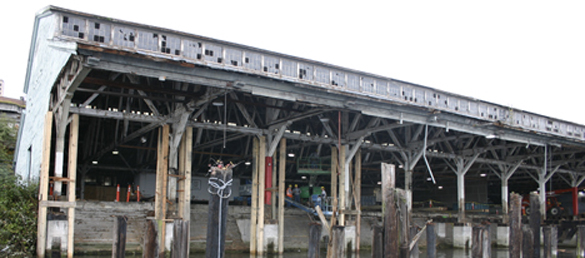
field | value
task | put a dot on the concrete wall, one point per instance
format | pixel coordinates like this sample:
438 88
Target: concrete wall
94 227
94 224
48 58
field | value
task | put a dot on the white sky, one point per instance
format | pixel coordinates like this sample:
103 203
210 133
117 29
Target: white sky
528 55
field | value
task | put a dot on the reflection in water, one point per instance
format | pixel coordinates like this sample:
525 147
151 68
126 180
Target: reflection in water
441 253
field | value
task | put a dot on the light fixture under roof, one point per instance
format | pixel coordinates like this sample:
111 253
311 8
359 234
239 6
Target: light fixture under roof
490 136
483 175
94 162
217 103
440 187
115 152
247 163
291 155
303 177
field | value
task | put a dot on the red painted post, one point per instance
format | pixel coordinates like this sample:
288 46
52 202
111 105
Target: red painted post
137 193
118 193
575 201
268 177
128 194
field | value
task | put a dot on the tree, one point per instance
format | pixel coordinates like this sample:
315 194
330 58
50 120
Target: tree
18 202
7 144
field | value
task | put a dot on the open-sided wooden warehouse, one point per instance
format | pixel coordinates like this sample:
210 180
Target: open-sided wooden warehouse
110 100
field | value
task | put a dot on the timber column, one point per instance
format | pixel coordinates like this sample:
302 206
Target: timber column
162 165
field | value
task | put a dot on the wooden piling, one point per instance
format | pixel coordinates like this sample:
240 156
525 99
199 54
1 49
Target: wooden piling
404 224
377 241
150 240
431 241
550 241
261 192
358 202
254 208
220 185
515 217
528 243
580 241
486 241
281 180
480 243
314 240
476 242
119 243
180 247
162 168
390 220
535 221
414 252
338 239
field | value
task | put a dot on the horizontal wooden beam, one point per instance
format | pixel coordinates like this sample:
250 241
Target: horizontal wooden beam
57 204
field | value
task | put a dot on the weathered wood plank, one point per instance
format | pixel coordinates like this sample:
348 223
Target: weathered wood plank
44 185
314 240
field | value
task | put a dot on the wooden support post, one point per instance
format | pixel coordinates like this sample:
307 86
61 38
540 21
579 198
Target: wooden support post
185 160
268 170
404 224
180 248
358 196
487 241
261 189
281 180
377 241
342 192
150 240
119 243
414 251
550 241
389 211
162 164
476 241
314 240
480 243
535 221
334 174
431 241
181 237
515 216
580 241
72 175
220 187
254 208
338 239
527 243
44 185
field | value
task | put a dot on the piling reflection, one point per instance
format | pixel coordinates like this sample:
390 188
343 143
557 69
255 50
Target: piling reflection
441 253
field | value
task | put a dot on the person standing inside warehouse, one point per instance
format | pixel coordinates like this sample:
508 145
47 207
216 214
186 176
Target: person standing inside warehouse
289 194
323 194
297 194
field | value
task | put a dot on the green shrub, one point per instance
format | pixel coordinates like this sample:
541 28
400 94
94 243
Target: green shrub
18 202
18 218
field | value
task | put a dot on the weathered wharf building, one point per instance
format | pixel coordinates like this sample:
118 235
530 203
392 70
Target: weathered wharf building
110 100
